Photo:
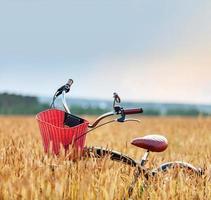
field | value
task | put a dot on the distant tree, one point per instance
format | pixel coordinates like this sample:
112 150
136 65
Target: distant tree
12 104
185 112
78 110
18 104
152 112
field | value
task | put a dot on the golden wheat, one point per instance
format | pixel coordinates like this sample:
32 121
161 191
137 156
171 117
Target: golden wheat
27 173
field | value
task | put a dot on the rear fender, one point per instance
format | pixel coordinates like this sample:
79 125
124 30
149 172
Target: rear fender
175 164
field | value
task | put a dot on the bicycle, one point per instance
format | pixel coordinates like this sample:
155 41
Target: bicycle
61 128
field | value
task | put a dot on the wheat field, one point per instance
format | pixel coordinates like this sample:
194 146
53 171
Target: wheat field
27 173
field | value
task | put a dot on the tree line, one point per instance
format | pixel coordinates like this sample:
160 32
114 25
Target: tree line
13 104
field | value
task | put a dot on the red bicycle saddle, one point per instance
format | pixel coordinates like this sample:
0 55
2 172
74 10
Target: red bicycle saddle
155 143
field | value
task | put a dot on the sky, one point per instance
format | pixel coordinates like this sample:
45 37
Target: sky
157 51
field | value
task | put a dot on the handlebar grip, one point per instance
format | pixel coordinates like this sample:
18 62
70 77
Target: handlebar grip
65 88
133 111
68 85
69 82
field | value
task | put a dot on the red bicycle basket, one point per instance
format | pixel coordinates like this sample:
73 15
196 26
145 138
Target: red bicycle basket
53 130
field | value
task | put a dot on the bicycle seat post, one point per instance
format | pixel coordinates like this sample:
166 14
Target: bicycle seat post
143 160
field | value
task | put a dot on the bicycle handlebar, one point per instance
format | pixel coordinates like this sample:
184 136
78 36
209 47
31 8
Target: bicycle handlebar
129 111
117 110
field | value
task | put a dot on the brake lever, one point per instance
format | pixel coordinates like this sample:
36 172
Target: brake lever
122 119
116 98
132 120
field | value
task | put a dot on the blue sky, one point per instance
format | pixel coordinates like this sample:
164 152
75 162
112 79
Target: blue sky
145 50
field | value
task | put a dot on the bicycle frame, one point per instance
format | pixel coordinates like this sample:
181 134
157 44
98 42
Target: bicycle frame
99 152
114 155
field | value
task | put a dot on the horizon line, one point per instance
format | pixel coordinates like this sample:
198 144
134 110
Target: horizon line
110 99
